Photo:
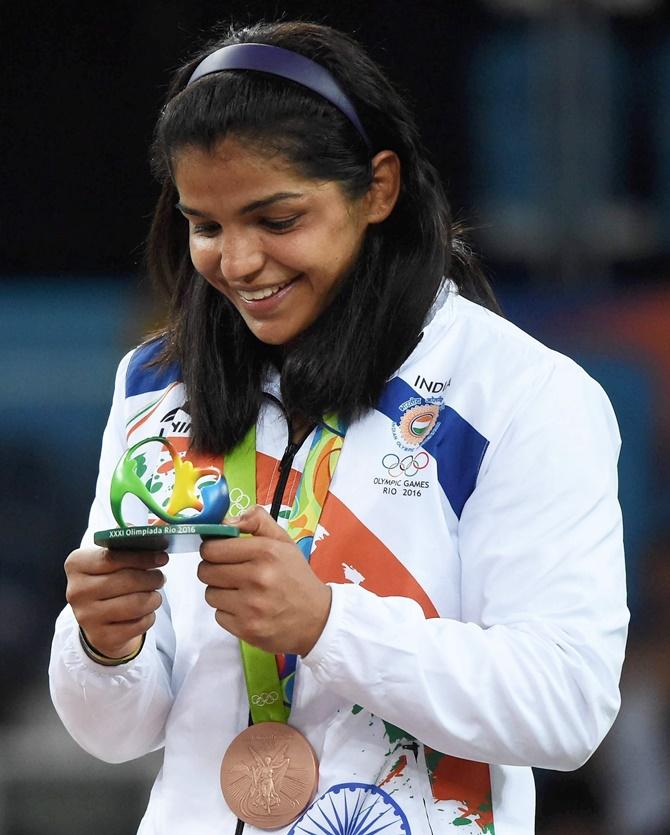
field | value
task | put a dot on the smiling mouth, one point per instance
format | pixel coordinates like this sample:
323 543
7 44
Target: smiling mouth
264 292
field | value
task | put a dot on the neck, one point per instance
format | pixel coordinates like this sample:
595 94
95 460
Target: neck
300 429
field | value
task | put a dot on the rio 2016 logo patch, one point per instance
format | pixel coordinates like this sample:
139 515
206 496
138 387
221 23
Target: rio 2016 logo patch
419 421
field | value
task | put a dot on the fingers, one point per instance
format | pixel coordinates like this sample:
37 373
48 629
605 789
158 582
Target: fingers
120 610
107 561
253 565
119 639
271 625
225 600
113 626
266 537
248 621
231 577
242 586
106 587
114 595
262 589
258 522
109 625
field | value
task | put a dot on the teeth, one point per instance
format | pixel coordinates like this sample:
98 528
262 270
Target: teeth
265 293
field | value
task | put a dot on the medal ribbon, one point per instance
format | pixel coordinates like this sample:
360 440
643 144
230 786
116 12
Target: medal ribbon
269 679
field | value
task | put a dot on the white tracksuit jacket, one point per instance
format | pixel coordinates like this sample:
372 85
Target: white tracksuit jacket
472 538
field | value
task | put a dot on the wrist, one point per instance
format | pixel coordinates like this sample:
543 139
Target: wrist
321 611
109 661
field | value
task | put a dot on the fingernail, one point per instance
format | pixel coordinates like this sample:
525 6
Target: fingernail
232 520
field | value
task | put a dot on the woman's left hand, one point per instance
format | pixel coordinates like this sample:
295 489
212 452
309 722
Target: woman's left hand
262 588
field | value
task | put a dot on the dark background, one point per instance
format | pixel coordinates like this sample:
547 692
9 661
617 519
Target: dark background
86 82
550 123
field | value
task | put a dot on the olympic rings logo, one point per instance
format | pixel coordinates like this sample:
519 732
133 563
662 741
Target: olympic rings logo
408 466
262 699
239 502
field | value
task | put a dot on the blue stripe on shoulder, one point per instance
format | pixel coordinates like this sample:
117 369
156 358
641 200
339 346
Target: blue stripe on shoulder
140 378
456 445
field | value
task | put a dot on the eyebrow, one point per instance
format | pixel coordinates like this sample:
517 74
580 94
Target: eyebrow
250 207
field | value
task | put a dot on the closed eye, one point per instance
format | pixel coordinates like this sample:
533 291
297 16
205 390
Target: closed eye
279 224
208 230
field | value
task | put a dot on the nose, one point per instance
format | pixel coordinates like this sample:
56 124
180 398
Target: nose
241 255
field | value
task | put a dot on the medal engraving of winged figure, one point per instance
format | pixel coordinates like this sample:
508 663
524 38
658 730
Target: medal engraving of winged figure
267 775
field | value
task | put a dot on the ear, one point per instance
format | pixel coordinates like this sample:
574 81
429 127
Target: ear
383 192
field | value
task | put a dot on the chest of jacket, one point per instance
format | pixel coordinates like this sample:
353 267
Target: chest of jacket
387 522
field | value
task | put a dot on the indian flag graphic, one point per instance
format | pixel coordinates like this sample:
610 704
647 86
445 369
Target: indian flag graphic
417 423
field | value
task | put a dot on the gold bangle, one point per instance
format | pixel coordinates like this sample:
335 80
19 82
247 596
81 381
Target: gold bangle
105 660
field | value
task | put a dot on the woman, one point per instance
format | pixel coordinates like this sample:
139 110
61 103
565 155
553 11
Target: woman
462 615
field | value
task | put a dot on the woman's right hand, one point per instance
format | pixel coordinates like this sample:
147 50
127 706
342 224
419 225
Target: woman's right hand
114 596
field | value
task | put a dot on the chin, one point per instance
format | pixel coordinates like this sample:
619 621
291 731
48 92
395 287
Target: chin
273 335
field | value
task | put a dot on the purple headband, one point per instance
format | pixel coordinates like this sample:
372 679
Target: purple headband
286 64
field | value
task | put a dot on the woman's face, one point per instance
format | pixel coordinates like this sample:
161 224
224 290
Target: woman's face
275 244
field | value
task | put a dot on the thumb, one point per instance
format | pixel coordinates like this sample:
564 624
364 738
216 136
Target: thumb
258 522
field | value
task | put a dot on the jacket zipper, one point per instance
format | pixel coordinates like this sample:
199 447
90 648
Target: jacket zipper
286 459
284 471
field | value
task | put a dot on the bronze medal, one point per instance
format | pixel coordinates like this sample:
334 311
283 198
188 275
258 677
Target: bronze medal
269 775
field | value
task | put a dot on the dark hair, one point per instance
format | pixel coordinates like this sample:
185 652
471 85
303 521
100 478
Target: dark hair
342 361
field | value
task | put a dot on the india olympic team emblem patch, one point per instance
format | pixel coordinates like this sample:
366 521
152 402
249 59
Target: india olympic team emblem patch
417 423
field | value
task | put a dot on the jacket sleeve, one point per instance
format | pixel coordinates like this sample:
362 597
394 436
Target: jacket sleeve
530 674
114 713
